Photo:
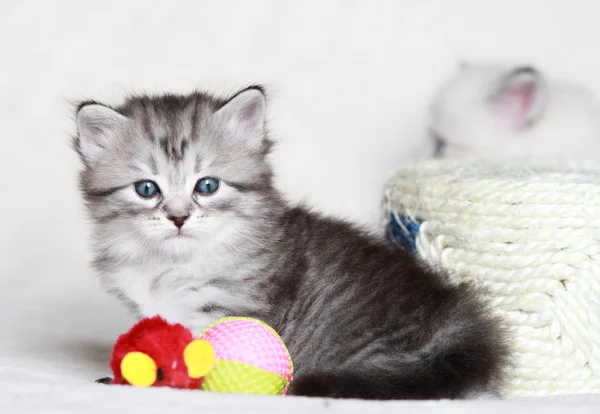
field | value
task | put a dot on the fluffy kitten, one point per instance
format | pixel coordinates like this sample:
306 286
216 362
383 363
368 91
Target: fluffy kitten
500 111
188 224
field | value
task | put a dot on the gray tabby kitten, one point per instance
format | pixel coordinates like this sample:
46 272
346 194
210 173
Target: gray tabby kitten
188 225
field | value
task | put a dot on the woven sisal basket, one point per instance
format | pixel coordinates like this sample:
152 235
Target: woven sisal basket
529 233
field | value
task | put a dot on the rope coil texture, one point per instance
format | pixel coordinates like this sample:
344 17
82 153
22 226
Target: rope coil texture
528 232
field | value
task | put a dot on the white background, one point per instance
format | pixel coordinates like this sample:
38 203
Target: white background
349 83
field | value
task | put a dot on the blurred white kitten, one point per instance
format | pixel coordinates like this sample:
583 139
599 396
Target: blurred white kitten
499 111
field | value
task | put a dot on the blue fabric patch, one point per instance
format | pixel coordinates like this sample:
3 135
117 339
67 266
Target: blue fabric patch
403 230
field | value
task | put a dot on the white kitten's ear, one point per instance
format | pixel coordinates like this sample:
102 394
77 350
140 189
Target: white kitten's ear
244 116
520 97
97 126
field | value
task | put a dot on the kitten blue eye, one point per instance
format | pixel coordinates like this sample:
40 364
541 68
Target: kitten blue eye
207 186
146 188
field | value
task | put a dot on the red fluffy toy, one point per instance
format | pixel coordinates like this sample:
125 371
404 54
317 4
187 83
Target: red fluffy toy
156 353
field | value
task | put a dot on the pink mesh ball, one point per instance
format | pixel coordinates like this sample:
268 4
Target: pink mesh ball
251 358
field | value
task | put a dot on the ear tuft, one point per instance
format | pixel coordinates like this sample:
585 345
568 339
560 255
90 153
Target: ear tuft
244 116
97 126
520 97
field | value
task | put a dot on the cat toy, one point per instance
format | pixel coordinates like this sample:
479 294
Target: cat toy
232 355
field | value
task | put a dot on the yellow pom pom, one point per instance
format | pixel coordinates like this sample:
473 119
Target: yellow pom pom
199 357
138 369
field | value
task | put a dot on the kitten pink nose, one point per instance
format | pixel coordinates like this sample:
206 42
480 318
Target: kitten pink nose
178 221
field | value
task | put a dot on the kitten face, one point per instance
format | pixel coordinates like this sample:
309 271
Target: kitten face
500 111
170 175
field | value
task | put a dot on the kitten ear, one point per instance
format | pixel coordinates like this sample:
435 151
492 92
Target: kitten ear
244 115
519 97
97 125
